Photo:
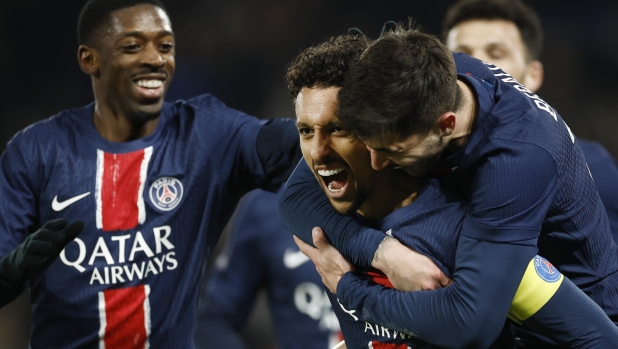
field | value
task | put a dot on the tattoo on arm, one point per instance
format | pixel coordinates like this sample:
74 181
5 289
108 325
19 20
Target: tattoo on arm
375 255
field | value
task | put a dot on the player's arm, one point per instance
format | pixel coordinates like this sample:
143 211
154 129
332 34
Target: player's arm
278 148
552 305
497 241
304 206
233 284
468 314
25 251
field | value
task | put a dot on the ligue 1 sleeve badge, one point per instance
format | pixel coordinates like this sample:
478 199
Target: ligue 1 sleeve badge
166 193
546 270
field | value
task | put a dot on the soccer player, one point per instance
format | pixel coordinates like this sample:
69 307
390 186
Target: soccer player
427 217
496 145
508 34
153 182
261 253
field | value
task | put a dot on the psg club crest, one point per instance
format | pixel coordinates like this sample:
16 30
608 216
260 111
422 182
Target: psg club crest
166 193
545 269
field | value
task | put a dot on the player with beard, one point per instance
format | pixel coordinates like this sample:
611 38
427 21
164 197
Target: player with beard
495 144
508 34
419 213
153 182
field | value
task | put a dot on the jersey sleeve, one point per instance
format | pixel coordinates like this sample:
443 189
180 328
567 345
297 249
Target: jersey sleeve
18 208
233 285
560 316
510 193
473 309
303 206
248 153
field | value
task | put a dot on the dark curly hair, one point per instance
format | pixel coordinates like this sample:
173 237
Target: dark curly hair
523 16
326 64
401 85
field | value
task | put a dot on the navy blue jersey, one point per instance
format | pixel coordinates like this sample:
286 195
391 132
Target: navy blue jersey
604 171
262 254
527 183
153 210
429 225
521 145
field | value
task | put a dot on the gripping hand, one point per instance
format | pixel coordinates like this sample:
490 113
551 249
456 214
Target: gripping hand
39 250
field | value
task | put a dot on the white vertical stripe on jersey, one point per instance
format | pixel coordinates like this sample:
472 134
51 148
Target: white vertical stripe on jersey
147 323
143 176
99 184
103 319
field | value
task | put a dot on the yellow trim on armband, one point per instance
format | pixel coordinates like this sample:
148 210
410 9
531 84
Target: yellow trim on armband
539 283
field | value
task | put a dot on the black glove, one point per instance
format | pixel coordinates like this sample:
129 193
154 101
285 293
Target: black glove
39 250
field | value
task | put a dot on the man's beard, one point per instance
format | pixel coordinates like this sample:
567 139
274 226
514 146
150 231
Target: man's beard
360 195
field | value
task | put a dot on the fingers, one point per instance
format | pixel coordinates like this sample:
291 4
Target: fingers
319 239
72 231
307 249
55 225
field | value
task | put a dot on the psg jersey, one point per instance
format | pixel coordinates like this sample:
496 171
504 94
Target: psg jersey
153 210
429 225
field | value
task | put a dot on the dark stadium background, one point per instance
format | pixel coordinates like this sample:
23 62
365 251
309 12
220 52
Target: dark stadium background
238 51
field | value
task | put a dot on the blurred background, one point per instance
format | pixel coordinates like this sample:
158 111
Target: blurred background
238 50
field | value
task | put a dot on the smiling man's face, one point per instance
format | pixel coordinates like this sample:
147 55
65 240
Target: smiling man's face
341 164
136 61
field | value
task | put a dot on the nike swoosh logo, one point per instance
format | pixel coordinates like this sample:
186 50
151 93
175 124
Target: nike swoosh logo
59 206
293 259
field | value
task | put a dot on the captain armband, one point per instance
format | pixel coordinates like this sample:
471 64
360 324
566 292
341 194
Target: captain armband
538 285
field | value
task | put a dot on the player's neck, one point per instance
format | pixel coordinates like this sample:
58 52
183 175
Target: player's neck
397 190
115 127
466 118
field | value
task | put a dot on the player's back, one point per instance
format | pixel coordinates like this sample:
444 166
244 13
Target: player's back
521 149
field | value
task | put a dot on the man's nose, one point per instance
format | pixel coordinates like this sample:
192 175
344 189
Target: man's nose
320 146
153 57
378 160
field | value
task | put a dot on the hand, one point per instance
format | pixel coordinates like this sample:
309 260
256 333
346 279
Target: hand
39 250
407 269
328 261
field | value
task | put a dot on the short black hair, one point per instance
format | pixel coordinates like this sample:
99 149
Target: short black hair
516 11
401 85
97 12
325 65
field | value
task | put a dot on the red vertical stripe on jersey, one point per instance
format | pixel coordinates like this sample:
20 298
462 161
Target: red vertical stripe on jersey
378 345
125 313
120 184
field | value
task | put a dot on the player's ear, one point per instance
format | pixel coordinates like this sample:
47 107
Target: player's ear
446 123
88 60
533 77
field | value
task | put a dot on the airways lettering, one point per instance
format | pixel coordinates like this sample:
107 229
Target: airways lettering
129 248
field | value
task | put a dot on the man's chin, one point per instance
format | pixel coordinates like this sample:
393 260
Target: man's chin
344 208
147 113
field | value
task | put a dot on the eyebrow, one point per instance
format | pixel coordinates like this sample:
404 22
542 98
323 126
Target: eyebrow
329 125
141 34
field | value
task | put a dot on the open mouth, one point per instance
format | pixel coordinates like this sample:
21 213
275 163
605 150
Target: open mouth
150 88
336 180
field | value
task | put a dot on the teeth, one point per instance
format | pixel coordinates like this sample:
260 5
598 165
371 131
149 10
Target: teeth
149 83
326 173
333 190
